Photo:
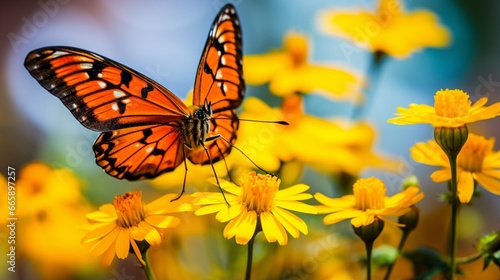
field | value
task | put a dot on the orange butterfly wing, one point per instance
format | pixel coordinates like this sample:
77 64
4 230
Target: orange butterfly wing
219 81
140 117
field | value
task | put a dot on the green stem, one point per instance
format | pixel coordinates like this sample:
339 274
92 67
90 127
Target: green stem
369 247
400 249
147 268
469 259
454 211
248 273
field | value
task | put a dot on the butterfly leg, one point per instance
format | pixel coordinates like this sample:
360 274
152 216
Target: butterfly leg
225 162
185 173
238 149
212 165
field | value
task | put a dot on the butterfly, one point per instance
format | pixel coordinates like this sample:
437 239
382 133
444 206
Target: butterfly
146 129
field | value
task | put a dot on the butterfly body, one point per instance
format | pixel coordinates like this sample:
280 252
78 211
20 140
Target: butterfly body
146 129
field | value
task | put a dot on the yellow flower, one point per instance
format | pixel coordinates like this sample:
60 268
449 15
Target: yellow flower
288 72
40 188
257 201
50 208
116 227
452 108
368 202
329 146
390 29
476 162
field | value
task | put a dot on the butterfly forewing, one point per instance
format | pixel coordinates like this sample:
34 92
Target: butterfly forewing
102 94
219 81
219 78
139 117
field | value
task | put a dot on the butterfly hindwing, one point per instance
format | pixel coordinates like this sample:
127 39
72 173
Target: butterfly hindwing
139 152
101 93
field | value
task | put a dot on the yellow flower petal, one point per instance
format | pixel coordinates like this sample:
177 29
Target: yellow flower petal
102 245
162 221
489 183
152 235
229 213
291 222
260 69
209 209
165 205
465 187
341 215
108 256
243 227
363 220
292 191
98 232
122 244
331 82
273 230
246 228
335 203
296 206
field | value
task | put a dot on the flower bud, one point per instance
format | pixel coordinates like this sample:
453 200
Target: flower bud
451 139
410 219
369 232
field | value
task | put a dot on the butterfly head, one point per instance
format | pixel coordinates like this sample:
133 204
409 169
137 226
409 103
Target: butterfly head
203 112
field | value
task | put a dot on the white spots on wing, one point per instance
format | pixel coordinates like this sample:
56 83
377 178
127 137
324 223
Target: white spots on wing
225 16
118 94
114 106
99 75
223 60
86 66
149 149
236 22
58 54
126 101
101 84
221 39
83 118
52 86
218 75
224 88
73 106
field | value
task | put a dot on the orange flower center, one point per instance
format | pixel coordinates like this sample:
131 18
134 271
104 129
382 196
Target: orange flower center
474 151
129 209
452 103
369 193
259 191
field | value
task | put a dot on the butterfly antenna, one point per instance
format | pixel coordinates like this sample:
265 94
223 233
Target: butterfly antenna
258 121
239 150
185 176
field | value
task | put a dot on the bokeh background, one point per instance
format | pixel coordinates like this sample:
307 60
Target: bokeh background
164 39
